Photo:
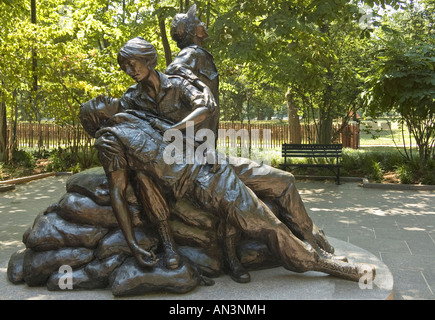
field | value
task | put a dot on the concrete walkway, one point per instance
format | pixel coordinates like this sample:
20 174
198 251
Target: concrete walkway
397 226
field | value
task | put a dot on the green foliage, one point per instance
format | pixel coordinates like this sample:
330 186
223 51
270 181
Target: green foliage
411 172
23 158
429 173
374 164
388 160
312 47
375 171
63 160
406 176
402 77
317 48
370 164
75 46
260 47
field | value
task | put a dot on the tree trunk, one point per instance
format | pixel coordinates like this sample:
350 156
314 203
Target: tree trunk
14 145
166 46
3 133
34 56
207 20
294 127
324 131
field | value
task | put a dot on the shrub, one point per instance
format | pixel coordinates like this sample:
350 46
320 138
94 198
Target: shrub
371 164
411 172
23 158
429 177
375 171
404 174
65 160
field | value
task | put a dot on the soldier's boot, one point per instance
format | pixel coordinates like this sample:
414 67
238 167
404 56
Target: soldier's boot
172 258
236 270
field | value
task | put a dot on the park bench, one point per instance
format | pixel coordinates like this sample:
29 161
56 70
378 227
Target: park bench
314 151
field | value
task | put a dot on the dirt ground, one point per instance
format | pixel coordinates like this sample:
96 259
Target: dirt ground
391 177
8 172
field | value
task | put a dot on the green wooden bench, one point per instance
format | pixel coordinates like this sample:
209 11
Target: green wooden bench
327 151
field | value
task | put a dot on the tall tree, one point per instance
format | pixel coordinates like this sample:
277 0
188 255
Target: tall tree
34 55
4 156
402 78
305 45
10 58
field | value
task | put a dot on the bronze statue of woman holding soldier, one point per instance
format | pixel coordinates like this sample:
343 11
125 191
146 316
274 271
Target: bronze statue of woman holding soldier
131 145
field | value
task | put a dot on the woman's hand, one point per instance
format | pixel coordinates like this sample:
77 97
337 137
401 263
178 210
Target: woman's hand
109 145
159 125
209 99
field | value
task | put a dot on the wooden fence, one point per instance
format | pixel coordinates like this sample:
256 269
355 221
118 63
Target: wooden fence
274 135
49 135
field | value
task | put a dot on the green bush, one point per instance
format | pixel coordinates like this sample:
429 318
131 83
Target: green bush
405 175
375 171
65 160
372 164
41 153
23 158
429 177
411 172
62 160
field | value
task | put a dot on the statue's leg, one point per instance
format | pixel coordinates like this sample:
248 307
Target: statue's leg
243 210
297 219
295 254
112 157
157 210
279 186
118 181
236 270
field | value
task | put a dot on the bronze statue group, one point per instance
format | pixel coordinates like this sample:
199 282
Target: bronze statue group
131 144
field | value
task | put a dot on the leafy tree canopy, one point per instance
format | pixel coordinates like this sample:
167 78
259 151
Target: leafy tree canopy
401 77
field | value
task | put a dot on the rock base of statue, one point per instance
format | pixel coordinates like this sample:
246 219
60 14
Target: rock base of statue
76 242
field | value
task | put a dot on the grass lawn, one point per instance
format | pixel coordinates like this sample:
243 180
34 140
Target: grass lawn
380 134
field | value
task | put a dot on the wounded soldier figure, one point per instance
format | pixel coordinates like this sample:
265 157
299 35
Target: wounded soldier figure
128 145
195 97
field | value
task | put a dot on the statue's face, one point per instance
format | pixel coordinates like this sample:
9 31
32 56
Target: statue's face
136 69
201 30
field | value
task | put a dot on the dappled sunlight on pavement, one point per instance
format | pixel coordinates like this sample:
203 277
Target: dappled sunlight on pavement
396 225
19 208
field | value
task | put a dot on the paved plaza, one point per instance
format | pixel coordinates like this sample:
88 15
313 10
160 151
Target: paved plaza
397 226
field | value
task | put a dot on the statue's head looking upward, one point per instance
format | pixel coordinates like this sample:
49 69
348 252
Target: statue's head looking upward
187 29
